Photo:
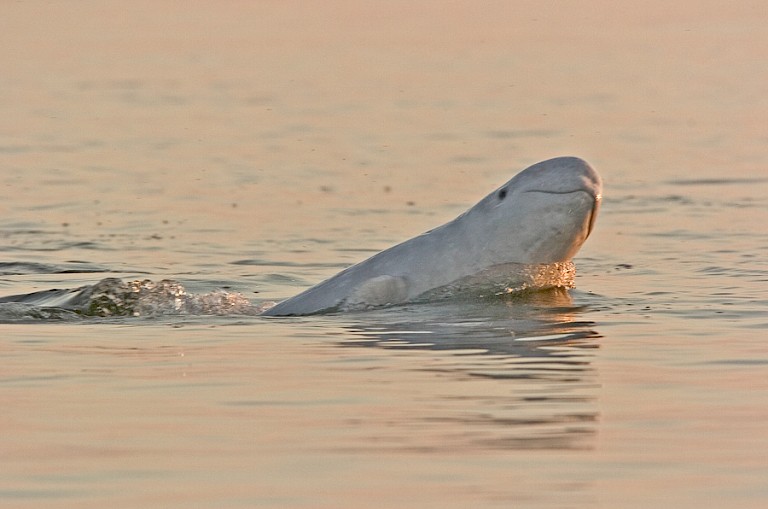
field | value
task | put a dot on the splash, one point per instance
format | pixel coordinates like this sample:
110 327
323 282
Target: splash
510 279
115 297
542 277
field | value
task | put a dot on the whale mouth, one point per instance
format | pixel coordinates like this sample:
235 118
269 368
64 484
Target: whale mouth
598 198
545 191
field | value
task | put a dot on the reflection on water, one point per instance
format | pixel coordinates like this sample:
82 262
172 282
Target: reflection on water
503 325
534 348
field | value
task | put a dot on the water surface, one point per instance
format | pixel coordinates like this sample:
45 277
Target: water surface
260 148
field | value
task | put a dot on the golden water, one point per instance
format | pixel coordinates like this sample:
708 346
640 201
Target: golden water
260 147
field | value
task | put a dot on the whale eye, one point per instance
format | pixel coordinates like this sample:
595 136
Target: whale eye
502 193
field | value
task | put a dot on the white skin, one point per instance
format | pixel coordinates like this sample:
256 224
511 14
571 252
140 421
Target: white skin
542 215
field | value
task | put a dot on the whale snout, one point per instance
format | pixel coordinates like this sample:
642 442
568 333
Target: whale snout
561 175
556 223
570 176
598 198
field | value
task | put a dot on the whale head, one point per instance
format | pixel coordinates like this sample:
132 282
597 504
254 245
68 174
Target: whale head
542 215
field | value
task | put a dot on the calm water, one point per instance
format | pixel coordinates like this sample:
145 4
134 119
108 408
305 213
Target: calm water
260 148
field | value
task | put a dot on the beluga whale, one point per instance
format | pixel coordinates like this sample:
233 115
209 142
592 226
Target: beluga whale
541 216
